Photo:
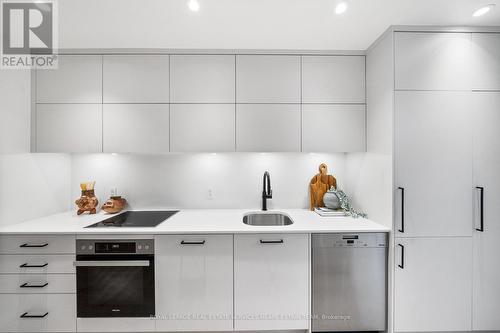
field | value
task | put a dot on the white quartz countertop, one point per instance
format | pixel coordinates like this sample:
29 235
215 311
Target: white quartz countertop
197 221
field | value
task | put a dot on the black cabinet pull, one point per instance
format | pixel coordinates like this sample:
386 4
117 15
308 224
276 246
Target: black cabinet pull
402 230
26 265
34 245
26 315
26 285
193 242
276 241
481 208
402 264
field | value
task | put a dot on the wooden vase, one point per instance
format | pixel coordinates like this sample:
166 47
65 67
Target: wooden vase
87 202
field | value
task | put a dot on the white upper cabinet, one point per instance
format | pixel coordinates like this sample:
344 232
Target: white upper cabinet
267 79
487 243
268 127
433 289
433 61
135 128
69 128
202 78
486 61
136 79
202 127
333 128
78 79
433 157
194 282
333 79
271 282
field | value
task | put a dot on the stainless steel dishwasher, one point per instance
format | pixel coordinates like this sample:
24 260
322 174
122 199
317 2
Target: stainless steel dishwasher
349 282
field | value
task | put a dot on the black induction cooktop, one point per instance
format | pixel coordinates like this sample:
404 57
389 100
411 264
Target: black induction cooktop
135 219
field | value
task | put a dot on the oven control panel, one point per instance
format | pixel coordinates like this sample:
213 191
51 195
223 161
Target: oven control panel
115 246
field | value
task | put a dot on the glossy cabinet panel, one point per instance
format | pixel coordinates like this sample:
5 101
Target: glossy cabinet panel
136 128
271 281
69 128
78 79
333 128
136 79
194 281
268 127
202 78
333 79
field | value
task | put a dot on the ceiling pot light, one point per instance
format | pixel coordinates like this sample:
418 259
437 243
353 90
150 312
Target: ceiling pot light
483 10
193 5
341 8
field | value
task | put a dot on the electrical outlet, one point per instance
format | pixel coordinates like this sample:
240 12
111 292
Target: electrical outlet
210 194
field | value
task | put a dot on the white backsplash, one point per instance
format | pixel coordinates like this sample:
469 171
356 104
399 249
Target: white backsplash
185 180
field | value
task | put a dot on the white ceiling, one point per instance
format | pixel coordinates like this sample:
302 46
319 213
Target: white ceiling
252 24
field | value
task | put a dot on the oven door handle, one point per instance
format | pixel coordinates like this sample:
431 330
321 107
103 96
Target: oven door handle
108 263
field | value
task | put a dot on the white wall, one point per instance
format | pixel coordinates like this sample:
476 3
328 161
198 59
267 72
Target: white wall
183 180
369 175
31 185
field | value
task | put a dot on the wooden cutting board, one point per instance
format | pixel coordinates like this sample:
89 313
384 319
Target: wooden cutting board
319 185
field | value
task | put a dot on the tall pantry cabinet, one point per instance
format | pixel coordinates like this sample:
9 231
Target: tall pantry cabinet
446 151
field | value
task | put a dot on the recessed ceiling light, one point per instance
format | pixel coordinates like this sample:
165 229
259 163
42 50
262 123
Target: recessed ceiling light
483 10
341 8
194 5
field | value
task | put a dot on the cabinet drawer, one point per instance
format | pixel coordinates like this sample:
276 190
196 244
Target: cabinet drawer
37 283
59 311
39 263
35 244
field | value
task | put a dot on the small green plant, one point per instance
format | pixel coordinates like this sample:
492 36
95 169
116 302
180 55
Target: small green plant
345 203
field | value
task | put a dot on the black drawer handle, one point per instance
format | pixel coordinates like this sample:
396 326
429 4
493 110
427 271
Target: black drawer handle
193 242
402 230
26 285
26 315
481 208
34 245
276 241
402 264
26 265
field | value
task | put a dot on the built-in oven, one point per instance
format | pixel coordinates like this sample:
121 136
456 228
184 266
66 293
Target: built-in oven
115 278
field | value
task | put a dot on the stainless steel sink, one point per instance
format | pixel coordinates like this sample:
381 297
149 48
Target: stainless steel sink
263 219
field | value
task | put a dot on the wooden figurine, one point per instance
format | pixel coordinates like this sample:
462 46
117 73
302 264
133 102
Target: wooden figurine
114 205
319 185
88 201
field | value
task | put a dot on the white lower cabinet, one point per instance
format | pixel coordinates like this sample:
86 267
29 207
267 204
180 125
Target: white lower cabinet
36 263
194 282
271 282
433 282
37 283
37 313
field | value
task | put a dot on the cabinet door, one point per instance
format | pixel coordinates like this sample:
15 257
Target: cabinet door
194 283
136 79
333 128
433 163
267 79
433 289
69 128
78 79
268 127
202 127
432 61
202 78
487 243
136 128
60 310
333 79
271 282
486 61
